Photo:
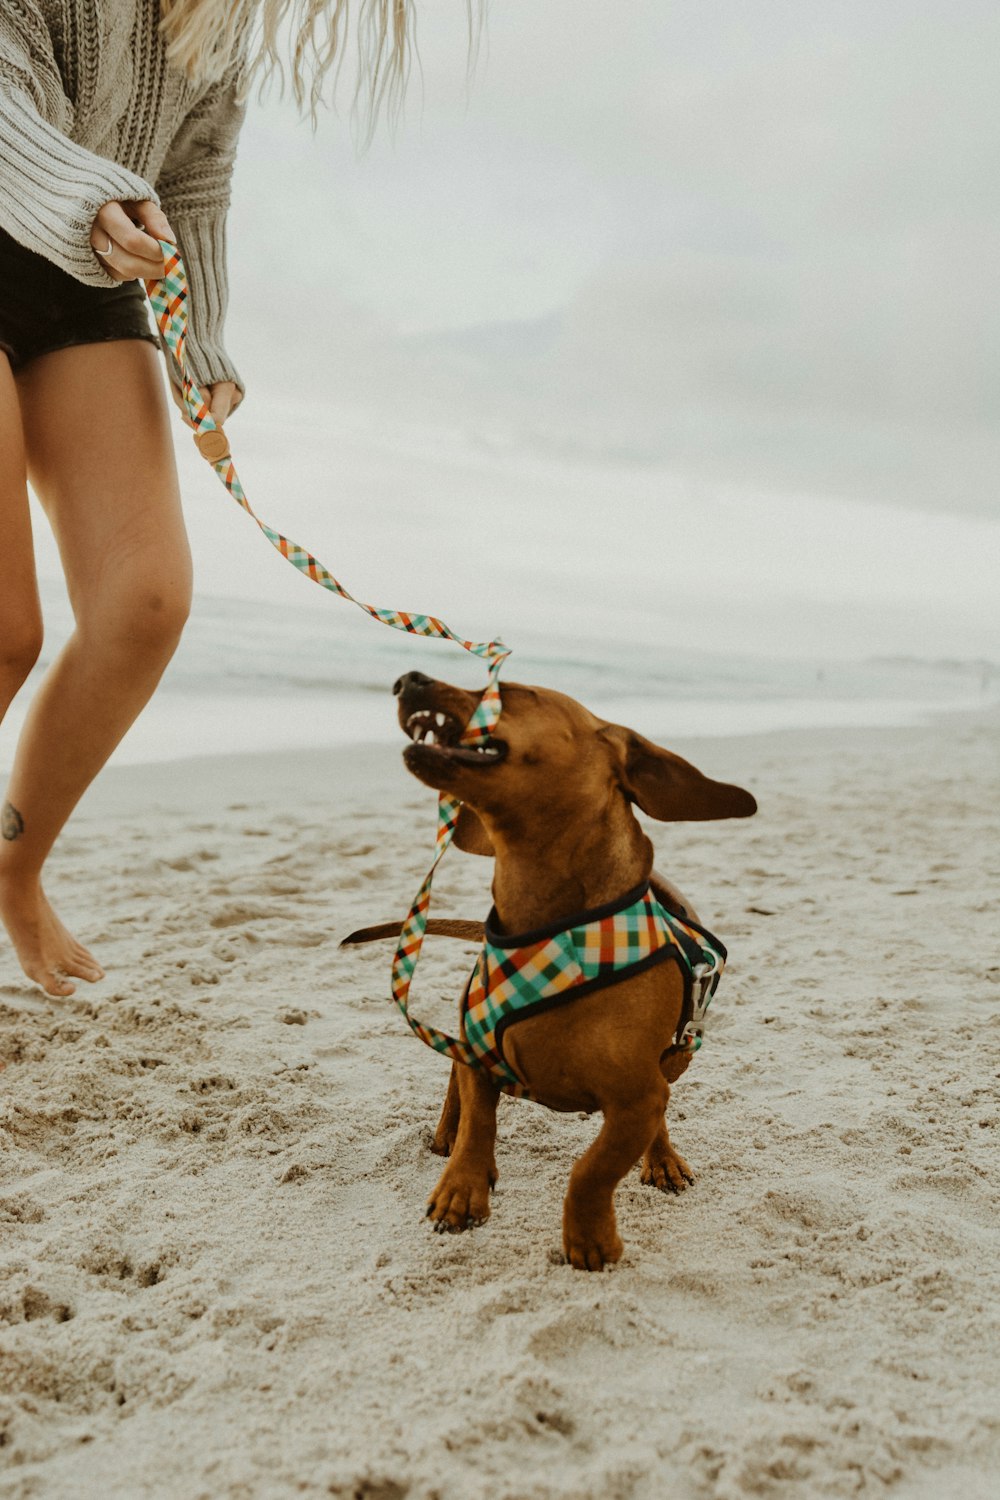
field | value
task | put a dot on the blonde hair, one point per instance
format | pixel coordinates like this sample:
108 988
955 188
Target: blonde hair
203 36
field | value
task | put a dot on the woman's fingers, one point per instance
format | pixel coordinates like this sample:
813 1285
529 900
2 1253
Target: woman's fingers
125 251
152 218
223 399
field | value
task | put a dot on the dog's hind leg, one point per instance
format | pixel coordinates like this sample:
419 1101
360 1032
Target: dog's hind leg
663 1167
446 1133
590 1234
462 1196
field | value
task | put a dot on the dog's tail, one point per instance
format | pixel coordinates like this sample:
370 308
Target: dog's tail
471 932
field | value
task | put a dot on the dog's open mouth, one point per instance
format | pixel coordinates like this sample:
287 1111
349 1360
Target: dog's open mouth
439 733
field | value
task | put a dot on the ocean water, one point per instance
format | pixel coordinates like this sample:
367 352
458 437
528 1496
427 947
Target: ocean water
253 676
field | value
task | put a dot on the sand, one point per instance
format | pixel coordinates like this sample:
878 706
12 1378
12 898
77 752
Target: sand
216 1278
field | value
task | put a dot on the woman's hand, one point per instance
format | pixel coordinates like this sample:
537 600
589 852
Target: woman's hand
223 399
124 237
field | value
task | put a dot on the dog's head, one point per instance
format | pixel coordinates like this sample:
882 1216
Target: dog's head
550 757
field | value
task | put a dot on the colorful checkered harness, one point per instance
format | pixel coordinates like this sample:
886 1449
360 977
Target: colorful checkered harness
516 977
168 297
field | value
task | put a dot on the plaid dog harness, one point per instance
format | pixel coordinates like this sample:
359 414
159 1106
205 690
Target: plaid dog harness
521 976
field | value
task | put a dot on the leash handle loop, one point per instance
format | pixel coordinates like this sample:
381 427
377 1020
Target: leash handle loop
168 298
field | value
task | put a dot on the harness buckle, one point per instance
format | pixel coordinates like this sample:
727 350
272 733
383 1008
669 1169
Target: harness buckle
702 981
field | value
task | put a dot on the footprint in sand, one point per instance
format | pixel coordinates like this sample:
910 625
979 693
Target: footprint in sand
189 863
20 1210
33 1302
112 1263
307 938
243 911
214 1083
235 945
369 1489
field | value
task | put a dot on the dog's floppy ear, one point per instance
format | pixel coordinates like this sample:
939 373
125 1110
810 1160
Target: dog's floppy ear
668 788
470 835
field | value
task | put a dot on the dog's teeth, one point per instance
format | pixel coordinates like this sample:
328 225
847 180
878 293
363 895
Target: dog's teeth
430 737
439 720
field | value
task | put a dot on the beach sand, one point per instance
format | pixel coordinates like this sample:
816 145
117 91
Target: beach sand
216 1276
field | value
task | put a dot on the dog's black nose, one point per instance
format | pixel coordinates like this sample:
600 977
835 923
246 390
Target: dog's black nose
411 680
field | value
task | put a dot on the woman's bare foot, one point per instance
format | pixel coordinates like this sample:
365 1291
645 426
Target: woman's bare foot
47 952
81 953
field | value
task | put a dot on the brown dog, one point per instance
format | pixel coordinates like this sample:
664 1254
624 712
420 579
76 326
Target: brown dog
551 800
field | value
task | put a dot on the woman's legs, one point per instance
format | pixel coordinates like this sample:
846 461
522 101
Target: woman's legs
100 460
21 630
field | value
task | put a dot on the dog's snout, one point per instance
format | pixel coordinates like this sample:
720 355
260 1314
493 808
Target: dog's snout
410 680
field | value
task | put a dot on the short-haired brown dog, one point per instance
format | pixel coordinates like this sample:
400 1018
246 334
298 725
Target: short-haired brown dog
552 802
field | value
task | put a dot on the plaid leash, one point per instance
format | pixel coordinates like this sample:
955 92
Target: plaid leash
168 298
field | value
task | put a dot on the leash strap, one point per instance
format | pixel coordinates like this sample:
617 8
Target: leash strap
168 298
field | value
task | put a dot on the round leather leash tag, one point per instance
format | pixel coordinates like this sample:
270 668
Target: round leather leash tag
213 444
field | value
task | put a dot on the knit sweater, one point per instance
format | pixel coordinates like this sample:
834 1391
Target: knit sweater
92 112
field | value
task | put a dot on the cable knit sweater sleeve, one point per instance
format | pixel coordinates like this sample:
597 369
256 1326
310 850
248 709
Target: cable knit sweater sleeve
50 188
194 188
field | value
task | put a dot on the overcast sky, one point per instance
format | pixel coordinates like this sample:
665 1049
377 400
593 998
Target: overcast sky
681 293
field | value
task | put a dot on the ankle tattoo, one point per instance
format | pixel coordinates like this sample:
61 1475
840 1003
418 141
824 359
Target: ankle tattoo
11 822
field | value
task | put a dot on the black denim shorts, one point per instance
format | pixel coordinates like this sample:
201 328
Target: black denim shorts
43 309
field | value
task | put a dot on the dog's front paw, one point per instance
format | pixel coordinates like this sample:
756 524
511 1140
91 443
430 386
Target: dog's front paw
590 1242
664 1168
461 1200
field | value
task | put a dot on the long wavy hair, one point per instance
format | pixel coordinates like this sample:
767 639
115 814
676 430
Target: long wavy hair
203 37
